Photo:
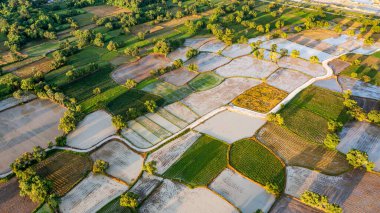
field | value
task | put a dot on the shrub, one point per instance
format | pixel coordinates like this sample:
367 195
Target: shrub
129 199
272 188
162 47
60 140
33 186
374 116
295 54
192 53
96 91
130 83
331 141
119 122
100 166
275 118
193 67
112 46
357 159
334 126
314 59
320 202
131 51
366 78
150 105
150 167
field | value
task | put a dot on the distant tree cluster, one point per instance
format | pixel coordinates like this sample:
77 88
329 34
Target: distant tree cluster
319 201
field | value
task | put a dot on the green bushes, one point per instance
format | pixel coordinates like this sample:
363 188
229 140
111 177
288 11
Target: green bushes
75 74
320 202
119 122
100 166
129 199
357 159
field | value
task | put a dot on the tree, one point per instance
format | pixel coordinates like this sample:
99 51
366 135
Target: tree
162 47
242 40
99 40
273 47
118 122
100 166
58 59
60 140
374 116
334 126
274 56
131 51
33 186
150 167
193 67
369 41
284 52
129 199
314 59
320 202
150 105
275 118
141 35
191 53
259 54
331 141
96 91
111 46
130 83
357 159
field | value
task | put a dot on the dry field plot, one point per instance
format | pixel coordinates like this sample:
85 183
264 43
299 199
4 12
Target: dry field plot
181 111
123 162
261 98
140 69
11 201
243 193
26 126
237 50
319 34
43 65
135 138
169 92
338 65
355 191
161 121
143 132
105 10
179 77
91 130
196 42
154 128
206 101
230 126
11 102
145 186
337 40
296 151
213 46
315 44
288 204
359 88
208 61
171 152
302 65
179 53
175 197
287 79
247 66
91 194
331 84
367 104
364 137
19 64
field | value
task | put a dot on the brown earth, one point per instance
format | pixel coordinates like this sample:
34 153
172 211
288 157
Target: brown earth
106 10
288 204
338 65
43 65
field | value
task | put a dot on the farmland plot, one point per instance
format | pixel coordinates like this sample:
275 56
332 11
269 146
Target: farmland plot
169 92
26 126
143 132
355 191
302 65
196 42
296 151
359 88
290 204
243 193
161 121
179 53
319 45
11 102
364 137
237 50
91 130
91 194
208 61
19 64
140 69
43 65
213 46
287 80
338 65
205 81
11 201
331 84
336 41
171 152
156 129
64 170
247 66
182 112
206 101
105 10
135 138
367 104
123 162
145 186
179 77
175 197
230 126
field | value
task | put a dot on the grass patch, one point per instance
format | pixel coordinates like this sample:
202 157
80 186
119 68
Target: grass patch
83 19
256 162
261 98
45 208
41 49
64 170
205 81
87 55
114 207
201 163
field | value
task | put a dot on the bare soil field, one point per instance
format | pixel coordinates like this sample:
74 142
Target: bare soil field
359 88
179 77
367 104
338 65
319 34
291 205
175 197
179 53
11 102
182 112
261 98
315 44
247 66
91 194
296 151
213 46
26 126
208 61
140 69
91 130
337 40
330 83
19 64
243 193
355 191
287 79
171 152
302 65
11 201
105 10
123 162
43 65
237 50
206 101
145 186
362 136
196 42
230 126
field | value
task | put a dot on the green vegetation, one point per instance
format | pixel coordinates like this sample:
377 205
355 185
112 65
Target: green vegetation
169 92
320 202
201 163
205 81
357 159
129 200
100 166
114 207
255 161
